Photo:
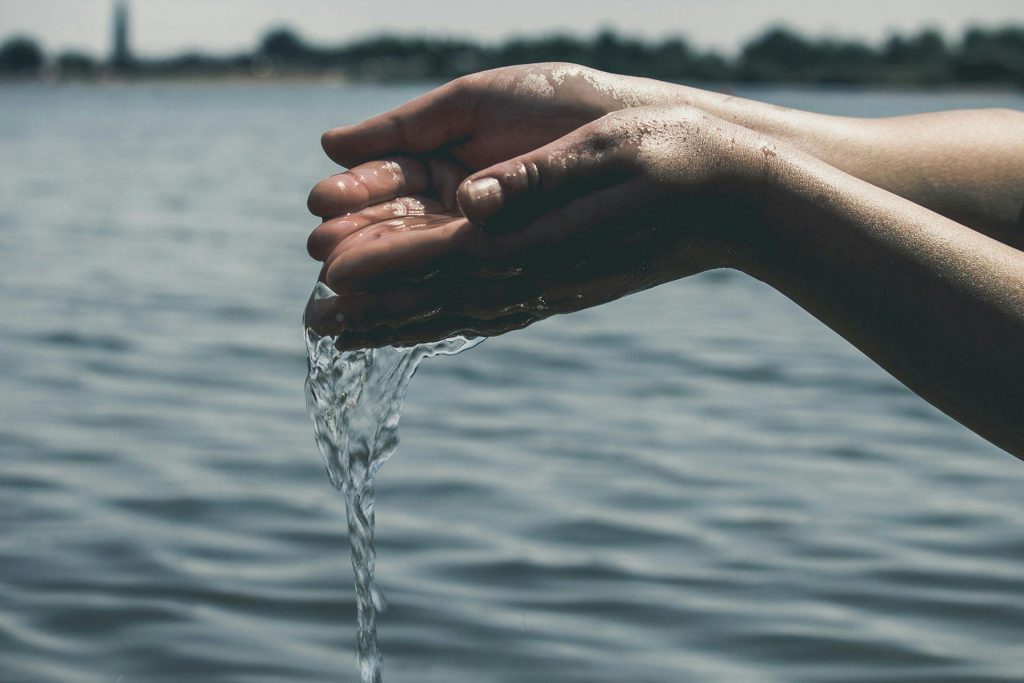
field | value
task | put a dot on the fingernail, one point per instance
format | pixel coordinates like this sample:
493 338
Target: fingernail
485 194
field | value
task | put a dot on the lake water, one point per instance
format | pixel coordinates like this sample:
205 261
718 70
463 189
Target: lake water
698 483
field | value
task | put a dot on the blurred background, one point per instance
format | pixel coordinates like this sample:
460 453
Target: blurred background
697 483
938 42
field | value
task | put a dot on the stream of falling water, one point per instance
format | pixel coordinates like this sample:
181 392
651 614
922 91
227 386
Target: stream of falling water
355 400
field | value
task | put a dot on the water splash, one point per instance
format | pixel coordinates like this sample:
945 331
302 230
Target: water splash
355 400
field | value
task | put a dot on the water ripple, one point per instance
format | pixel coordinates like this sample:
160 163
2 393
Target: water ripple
697 483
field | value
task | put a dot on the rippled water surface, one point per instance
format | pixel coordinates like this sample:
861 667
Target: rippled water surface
699 483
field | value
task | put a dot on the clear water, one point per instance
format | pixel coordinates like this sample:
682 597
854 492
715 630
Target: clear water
355 401
697 483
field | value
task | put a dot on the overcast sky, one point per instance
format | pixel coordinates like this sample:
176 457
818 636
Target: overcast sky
160 27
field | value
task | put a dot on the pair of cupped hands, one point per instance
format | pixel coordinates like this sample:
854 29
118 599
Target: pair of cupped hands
510 195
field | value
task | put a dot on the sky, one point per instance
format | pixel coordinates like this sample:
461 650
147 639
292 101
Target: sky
163 27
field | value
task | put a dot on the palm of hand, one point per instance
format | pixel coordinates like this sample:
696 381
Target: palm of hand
410 275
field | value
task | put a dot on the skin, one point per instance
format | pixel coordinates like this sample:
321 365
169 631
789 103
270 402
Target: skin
962 164
596 186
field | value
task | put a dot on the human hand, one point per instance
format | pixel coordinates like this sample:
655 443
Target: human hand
486 117
429 145
639 197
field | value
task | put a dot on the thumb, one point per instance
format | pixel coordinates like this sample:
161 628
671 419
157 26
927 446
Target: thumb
513 191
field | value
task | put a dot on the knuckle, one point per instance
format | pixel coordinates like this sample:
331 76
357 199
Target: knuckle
518 175
530 171
604 135
459 86
400 130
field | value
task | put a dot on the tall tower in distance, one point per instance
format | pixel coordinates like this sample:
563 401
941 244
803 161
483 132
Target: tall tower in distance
120 56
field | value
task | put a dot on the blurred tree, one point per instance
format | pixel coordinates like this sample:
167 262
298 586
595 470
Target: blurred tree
75 64
927 46
20 55
554 48
611 52
921 58
991 56
670 59
779 54
284 45
776 54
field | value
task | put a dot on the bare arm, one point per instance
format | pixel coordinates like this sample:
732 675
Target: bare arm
649 194
940 306
966 165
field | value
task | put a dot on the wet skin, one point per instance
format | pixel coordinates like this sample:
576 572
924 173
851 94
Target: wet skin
589 194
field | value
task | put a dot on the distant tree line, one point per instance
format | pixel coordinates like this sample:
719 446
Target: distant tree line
980 56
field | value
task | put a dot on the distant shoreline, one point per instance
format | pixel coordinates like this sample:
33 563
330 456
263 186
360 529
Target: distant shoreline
198 78
986 58
339 80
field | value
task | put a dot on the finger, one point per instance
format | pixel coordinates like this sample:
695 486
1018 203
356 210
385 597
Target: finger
424 124
357 312
383 180
326 236
405 205
396 247
370 183
588 159
395 250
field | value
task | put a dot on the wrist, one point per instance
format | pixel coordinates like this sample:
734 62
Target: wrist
797 196
773 180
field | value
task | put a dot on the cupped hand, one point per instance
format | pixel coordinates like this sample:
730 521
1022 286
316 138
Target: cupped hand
487 117
426 147
634 199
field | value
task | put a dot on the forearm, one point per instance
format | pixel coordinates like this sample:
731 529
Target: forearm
938 305
965 165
